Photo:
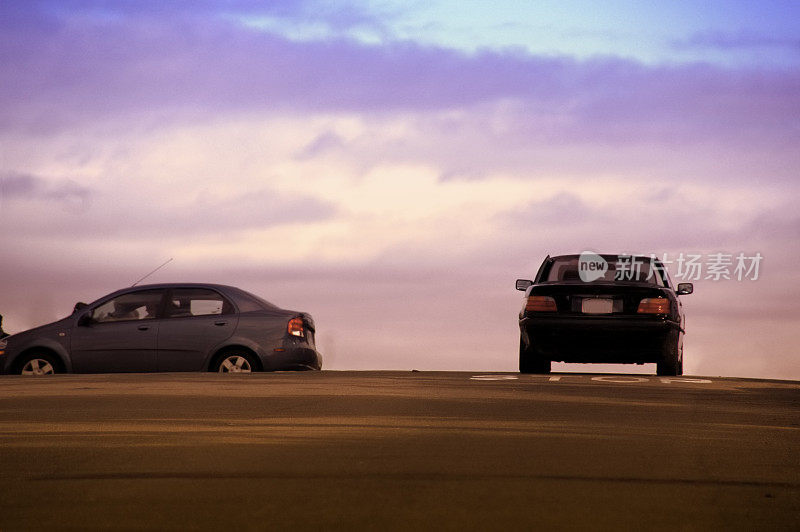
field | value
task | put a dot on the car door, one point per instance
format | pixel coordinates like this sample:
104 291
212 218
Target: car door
197 320
119 335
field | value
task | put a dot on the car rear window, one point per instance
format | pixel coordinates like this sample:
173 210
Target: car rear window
620 268
248 302
190 302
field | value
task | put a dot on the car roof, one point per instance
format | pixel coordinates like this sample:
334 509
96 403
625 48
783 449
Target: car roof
604 255
225 289
181 285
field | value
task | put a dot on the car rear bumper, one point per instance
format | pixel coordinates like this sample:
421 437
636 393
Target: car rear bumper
292 358
609 339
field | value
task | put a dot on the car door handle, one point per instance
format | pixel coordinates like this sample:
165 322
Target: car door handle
144 327
220 323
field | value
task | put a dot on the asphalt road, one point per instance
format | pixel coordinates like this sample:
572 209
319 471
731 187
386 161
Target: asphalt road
398 450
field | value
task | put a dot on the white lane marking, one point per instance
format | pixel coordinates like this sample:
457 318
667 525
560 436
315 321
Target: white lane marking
668 380
620 379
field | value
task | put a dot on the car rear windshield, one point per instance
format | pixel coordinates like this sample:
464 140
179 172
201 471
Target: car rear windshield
610 268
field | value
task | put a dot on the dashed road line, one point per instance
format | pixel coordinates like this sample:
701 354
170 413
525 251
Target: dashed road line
615 379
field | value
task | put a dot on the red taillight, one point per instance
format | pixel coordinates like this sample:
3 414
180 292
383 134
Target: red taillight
540 304
295 327
654 305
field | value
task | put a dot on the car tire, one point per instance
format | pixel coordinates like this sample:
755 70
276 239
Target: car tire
671 364
236 362
530 361
38 364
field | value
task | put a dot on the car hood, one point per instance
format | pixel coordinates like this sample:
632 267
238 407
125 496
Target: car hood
60 324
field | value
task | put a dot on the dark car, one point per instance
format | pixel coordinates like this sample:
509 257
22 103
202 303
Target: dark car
603 309
167 327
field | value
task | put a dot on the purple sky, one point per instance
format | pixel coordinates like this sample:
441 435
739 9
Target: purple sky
392 169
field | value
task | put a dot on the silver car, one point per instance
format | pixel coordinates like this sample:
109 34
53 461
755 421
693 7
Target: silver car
167 327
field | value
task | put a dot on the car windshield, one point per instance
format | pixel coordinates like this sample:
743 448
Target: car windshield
609 268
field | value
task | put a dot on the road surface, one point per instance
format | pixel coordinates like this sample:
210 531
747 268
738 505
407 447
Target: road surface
398 451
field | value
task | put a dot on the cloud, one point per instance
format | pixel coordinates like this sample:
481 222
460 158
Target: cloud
555 211
16 187
142 217
323 143
737 41
254 209
152 66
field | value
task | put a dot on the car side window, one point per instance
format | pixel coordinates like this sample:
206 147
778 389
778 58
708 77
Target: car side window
141 305
189 302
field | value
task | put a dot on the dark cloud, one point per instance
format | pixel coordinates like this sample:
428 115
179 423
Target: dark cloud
322 144
781 226
15 186
136 216
563 208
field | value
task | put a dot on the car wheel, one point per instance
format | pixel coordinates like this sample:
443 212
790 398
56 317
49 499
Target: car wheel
236 362
38 364
530 361
672 361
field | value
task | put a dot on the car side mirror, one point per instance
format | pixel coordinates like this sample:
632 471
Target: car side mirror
85 320
78 306
523 284
685 288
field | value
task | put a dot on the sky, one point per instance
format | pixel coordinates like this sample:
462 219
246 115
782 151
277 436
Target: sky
392 167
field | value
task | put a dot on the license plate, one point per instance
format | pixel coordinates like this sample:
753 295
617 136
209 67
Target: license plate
597 305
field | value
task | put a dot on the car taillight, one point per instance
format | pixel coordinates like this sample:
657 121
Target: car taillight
654 305
540 304
295 327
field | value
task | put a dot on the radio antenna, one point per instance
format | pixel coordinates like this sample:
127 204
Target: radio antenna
151 273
